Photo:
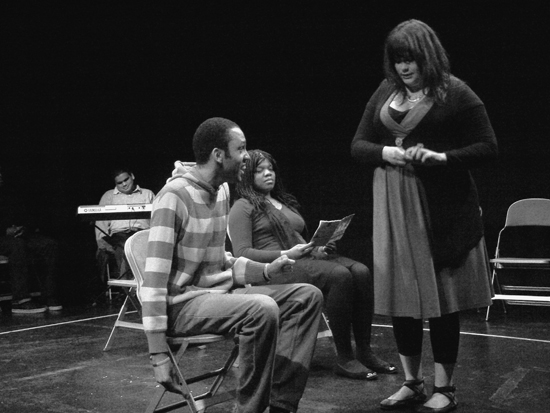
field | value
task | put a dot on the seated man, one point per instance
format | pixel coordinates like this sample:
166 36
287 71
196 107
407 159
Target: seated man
24 245
192 286
112 235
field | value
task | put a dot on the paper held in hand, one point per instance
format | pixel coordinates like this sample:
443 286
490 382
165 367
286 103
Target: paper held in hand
330 231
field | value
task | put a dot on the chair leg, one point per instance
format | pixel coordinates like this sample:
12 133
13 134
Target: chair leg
120 316
188 399
326 332
499 289
496 285
324 329
199 403
109 290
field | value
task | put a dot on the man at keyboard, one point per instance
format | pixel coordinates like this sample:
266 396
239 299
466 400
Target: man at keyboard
112 235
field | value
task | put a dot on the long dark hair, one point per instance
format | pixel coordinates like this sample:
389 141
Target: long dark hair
247 190
414 40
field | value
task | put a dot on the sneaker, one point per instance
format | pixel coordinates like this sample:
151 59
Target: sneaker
27 307
54 305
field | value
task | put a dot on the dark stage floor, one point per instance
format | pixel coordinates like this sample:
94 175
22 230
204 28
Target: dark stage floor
55 363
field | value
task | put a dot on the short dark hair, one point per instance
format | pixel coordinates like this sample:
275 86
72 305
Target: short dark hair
211 134
415 40
120 170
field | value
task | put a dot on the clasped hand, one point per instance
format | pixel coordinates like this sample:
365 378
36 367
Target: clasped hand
418 155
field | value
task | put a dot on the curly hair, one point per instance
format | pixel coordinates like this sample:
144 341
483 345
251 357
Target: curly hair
211 134
247 190
414 40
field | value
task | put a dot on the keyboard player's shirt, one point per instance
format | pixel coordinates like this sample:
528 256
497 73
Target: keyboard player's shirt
115 197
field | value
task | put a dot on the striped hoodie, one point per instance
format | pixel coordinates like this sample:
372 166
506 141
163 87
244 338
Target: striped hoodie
186 254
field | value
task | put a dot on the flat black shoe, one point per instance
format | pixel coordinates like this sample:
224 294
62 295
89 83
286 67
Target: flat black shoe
449 393
387 368
366 374
378 365
417 398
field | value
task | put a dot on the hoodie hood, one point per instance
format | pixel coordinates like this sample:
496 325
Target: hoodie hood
180 169
188 171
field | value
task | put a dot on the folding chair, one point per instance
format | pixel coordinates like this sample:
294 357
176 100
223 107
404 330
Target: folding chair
522 255
129 288
136 253
106 260
130 305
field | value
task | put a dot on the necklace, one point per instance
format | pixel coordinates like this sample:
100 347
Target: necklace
416 99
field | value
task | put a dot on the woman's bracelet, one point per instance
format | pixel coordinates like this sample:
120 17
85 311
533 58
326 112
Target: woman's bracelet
266 276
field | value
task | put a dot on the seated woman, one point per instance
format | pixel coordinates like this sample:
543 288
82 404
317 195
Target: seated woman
265 224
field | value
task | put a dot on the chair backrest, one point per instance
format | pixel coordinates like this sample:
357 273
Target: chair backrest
135 249
526 232
529 212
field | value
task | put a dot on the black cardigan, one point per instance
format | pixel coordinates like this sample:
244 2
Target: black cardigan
460 128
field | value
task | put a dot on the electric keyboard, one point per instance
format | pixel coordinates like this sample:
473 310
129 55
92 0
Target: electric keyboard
114 212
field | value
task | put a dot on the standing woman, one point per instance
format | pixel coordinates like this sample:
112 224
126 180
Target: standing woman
265 223
422 130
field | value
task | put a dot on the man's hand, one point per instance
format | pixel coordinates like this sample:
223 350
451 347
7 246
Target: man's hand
280 265
165 372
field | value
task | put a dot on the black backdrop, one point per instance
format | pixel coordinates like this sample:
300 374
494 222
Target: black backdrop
90 85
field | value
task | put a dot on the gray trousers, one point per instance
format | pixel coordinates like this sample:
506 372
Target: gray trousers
277 330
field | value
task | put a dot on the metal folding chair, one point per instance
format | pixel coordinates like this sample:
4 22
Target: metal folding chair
136 253
130 304
522 255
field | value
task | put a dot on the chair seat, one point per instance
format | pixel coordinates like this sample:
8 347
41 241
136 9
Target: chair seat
525 298
521 262
196 340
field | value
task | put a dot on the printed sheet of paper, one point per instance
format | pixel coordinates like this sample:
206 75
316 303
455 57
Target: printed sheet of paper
331 231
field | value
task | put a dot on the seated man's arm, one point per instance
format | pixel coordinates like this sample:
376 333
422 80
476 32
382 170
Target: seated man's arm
246 271
160 251
154 291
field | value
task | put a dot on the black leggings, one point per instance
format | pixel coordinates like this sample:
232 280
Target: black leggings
444 336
